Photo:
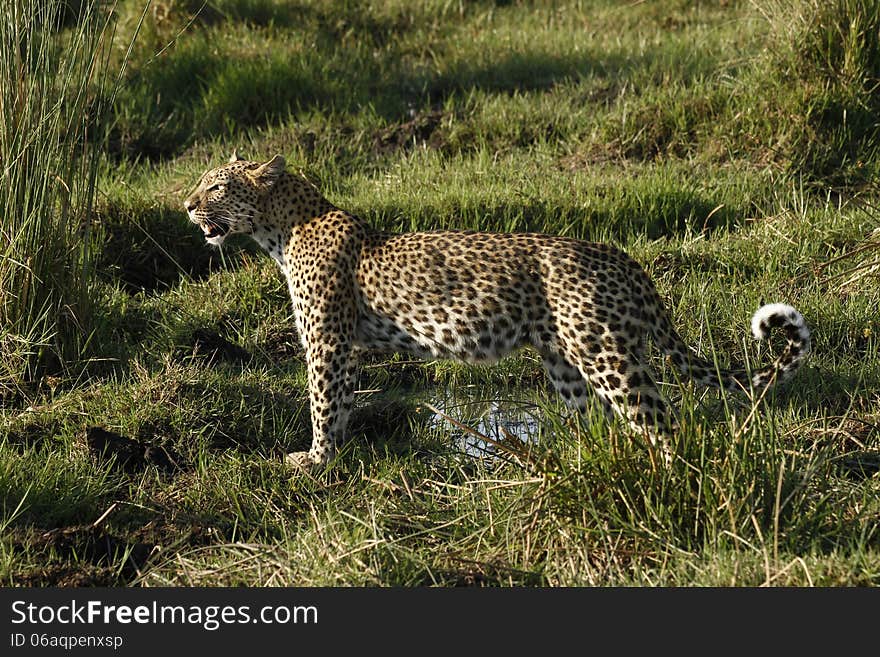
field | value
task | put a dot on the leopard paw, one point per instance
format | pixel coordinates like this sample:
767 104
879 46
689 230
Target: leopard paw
301 461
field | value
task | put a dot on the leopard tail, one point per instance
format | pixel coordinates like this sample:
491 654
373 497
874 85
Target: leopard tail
737 378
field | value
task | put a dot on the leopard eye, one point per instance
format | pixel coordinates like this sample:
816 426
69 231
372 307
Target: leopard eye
216 187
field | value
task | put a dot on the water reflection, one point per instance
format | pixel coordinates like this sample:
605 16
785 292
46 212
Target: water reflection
478 425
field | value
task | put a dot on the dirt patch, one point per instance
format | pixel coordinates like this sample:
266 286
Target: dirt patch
210 345
192 532
282 344
421 130
81 555
129 454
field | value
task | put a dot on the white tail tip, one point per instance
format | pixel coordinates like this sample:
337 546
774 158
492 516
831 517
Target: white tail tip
761 320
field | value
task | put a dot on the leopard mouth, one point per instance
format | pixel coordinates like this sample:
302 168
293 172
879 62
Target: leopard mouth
212 229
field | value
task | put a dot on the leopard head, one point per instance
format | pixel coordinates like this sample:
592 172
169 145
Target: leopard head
227 199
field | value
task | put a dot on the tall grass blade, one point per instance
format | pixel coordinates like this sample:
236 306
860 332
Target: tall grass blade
55 90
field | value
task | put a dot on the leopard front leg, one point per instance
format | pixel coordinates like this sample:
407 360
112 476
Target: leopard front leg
331 360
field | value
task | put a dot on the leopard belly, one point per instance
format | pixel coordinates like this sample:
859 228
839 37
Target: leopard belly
471 342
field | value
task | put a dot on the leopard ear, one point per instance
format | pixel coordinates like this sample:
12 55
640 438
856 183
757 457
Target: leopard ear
235 157
269 172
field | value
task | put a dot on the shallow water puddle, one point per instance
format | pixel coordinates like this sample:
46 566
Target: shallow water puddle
477 422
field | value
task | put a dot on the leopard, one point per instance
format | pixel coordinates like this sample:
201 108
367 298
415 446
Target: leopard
588 308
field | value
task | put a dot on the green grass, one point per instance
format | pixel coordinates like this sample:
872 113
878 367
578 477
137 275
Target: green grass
58 86
46 187
707 139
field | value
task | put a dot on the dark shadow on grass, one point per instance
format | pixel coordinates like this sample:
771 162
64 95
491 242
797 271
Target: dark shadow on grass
152 249
39 435
278 423
228 97
80 555
463 571
211 347
677 266
131 454
274 419
281 344
383 423
356 57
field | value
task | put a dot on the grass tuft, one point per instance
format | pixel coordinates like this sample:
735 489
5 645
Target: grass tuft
827 63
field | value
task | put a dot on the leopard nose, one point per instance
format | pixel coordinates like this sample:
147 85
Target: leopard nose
189 204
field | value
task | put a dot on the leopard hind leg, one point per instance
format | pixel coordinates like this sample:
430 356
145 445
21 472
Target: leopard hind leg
566 380
623 381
